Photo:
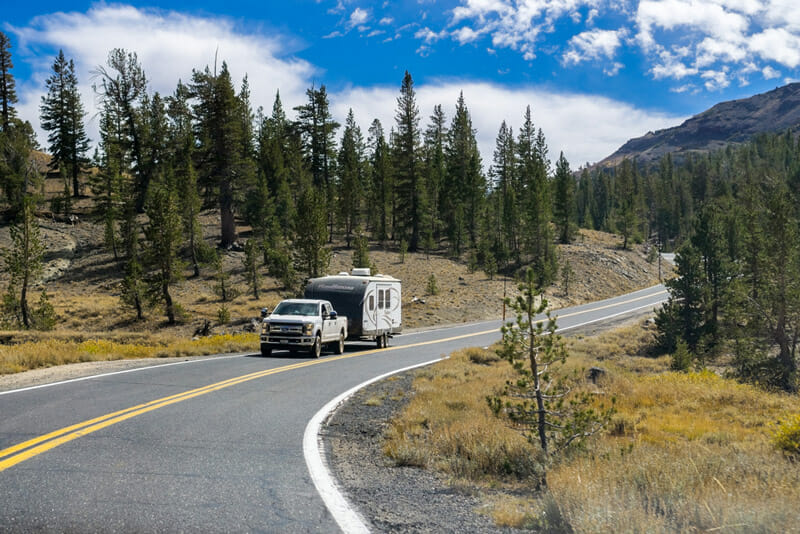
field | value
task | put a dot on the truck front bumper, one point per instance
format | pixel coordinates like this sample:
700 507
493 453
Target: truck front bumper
278 341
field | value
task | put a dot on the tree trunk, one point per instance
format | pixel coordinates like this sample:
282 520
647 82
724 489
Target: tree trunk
169 304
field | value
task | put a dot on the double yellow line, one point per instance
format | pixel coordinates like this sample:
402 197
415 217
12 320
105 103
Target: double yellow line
33 447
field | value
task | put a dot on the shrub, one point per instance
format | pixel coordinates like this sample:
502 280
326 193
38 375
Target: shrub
223 315
787 436
43 316
433 286
681 358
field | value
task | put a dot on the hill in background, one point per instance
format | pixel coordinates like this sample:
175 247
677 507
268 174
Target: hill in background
732 122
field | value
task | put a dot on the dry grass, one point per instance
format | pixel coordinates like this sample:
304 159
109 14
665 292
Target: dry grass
60 350
685 452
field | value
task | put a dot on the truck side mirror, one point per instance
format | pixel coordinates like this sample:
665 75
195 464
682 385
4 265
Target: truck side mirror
333 315
264 313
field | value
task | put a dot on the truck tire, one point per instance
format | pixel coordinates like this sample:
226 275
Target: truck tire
266 351
340 344
316 349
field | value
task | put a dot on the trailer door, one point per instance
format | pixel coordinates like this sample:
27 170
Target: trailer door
384 317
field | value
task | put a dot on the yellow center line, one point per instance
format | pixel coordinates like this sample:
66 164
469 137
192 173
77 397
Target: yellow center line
33 447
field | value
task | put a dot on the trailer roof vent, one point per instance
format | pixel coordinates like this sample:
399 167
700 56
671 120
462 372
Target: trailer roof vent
363 271
343 273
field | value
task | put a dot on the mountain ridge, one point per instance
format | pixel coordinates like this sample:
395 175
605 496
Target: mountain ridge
725 123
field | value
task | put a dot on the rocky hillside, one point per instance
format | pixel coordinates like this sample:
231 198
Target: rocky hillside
726 123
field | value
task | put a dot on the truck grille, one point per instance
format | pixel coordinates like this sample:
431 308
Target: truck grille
285 330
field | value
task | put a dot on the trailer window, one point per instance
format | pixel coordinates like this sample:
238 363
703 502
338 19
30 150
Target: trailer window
388 300
380 299
371 302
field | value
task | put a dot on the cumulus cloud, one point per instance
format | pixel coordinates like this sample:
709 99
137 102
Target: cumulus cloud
168 44
593 45
357 17
587 128
715 34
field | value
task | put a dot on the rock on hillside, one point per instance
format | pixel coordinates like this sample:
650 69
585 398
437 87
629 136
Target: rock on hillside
726 123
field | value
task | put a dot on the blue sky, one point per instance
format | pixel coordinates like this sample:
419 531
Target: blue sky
594 72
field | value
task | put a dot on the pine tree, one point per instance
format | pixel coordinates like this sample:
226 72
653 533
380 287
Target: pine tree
350 168
465 184
226 168
408 174
382 181
123 88
506 187
564 201
533 169
435 171
62 115
24 259
8 93
182 154
312 234
163 236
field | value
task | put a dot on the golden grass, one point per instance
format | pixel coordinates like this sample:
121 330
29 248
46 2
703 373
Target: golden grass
59 351
684 453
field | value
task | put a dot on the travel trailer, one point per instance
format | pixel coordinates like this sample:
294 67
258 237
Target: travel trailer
371 303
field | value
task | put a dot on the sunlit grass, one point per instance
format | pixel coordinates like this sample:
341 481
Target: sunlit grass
58 351
684 453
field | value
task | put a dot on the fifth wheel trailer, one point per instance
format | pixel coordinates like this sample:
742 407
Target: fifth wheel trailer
371 303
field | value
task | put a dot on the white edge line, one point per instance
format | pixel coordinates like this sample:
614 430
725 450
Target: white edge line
348 519
91 377
313 450
606 317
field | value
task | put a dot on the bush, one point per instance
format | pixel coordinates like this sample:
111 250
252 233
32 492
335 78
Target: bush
223 315
433 287
43 316
787 436
681 358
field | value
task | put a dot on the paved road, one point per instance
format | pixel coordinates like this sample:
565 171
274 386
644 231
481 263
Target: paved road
212 446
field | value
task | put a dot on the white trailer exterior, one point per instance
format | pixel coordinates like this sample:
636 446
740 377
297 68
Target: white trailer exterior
371 303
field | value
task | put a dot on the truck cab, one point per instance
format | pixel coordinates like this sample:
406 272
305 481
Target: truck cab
303 324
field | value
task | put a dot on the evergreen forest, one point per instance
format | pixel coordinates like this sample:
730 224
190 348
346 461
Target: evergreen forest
301 180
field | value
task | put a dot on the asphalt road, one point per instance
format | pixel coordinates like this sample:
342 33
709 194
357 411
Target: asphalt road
214 445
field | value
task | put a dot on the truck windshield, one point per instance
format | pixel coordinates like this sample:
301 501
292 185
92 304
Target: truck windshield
296 308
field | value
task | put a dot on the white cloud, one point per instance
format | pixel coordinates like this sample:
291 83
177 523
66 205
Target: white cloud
168 44
357 17
429 36
586 127
593 45
714 34
465 35
777 44
716 79
769 73
385 21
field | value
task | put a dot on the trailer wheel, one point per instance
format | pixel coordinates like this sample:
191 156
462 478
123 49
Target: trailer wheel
382 341
385 340
316 348
340 344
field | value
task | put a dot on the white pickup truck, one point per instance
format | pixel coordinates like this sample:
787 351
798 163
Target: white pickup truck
303 324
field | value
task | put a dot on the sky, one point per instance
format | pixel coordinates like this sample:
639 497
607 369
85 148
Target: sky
595 73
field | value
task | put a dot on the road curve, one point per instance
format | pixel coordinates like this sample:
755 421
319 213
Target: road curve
213 446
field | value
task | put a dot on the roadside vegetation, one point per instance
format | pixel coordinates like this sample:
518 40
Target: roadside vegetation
683 452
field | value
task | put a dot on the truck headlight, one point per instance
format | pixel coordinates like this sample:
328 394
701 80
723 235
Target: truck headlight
308 329
265 328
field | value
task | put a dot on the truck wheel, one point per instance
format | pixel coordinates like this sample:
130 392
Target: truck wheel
316 348
340 344
266 351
